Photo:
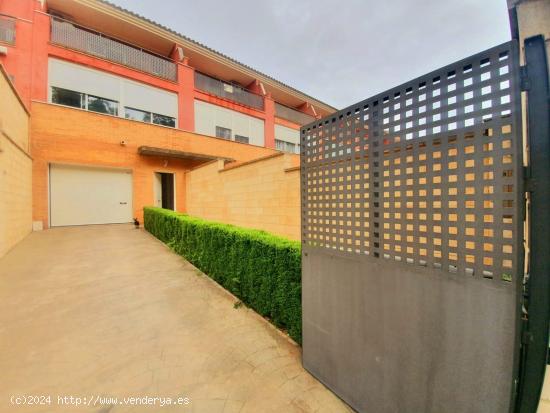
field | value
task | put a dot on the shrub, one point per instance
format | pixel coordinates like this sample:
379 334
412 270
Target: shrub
262 269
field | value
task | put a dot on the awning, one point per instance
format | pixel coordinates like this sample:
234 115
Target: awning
172 153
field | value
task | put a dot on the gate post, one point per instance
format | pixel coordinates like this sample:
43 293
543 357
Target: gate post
537 289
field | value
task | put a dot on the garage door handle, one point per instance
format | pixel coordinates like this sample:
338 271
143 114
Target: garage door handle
123 203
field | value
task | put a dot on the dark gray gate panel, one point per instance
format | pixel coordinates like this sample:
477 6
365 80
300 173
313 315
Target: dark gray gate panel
389 340
411 232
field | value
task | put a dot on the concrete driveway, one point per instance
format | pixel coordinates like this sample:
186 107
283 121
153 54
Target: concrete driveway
105 313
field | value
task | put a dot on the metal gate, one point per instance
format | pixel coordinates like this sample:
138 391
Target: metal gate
412 226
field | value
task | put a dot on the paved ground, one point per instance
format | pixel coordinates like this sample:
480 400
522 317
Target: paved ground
109 311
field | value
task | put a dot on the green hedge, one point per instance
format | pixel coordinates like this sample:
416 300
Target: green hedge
263 270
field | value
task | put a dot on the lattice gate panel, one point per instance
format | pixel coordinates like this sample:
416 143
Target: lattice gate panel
425 177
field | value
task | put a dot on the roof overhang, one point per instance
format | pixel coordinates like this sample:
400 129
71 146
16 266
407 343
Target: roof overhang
171 153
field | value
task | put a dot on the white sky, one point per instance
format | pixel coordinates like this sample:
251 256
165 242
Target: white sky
339 52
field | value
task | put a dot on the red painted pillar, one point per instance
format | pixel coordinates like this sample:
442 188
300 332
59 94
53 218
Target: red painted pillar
186 90
40 39
269 125
17 61
186 101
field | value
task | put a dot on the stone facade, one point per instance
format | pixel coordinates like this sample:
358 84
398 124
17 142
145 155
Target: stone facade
15 167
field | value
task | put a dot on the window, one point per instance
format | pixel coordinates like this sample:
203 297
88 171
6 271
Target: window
68 98
224 133
148 117
286 146
110 107
242 139
164 120
82 101
102 105
136 114
7 30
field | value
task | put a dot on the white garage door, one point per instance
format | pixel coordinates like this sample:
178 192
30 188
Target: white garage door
82 195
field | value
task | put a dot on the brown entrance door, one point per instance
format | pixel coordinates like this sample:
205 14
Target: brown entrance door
167 184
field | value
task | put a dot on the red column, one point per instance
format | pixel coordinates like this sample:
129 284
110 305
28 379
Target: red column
18 61
40 39
186 90
269 125
186 111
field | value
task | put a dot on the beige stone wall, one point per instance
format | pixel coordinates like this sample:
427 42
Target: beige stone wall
544 406
15 168
262 194
14 119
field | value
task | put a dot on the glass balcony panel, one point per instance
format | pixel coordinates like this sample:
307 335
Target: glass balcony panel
228 91
292 115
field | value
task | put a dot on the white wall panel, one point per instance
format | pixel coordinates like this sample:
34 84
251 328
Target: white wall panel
208 116
203 119
81 79
257 132
241 123
150 99
287 134
224 118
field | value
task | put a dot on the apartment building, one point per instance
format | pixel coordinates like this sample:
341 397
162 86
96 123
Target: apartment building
121 107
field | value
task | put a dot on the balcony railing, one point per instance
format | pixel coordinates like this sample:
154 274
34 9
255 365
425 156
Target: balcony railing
69 35
292 115
7 30
228 91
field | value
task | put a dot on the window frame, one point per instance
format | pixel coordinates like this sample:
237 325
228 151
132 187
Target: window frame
81 95
219 129
295 147
84 105
153 114
126 108
242 139
84 97
151 117
99 98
